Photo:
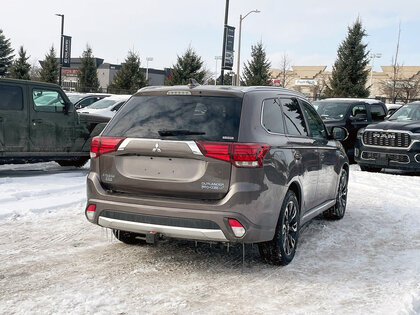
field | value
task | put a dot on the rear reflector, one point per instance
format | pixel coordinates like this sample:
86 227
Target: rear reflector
102 145
239 154
90 212
237 227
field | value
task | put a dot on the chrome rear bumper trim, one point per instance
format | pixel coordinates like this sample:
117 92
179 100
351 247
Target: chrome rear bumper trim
171 231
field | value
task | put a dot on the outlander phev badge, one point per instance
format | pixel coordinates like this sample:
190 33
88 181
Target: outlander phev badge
156 148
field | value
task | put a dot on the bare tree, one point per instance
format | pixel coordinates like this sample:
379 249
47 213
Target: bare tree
286 74
35 71
319 89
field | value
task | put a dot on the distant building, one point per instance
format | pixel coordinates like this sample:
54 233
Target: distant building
312 80
106 73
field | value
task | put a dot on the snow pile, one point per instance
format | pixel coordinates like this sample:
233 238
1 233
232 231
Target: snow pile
53 261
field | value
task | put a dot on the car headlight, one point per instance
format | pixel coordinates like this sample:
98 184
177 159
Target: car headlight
360 133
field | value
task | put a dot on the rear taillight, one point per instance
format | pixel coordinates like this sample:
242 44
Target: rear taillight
102 145
90 212
239 154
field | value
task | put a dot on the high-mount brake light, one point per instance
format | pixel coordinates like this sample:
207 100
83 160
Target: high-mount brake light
239 154
102 145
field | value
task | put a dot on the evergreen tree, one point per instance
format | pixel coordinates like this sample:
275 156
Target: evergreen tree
6 56
188 66
50 67
129 78
20 67
88 76
349 75
257 71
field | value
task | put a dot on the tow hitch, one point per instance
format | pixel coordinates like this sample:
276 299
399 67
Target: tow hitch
152 237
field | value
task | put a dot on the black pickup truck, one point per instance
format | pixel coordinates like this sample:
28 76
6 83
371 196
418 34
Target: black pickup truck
38 123
394 143
351 114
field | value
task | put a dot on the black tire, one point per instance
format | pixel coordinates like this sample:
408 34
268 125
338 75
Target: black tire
129 238
79 162
339 209
281 250
370 169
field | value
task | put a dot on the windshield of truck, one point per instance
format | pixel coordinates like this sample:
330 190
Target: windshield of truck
332 110
178 117
407 112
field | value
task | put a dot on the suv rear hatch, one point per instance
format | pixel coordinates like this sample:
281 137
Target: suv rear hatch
155 145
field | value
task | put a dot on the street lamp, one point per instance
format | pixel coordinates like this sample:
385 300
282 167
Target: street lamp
215 74
61 47
239 44
372 57
147 66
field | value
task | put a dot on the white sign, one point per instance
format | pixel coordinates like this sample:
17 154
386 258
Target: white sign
306 82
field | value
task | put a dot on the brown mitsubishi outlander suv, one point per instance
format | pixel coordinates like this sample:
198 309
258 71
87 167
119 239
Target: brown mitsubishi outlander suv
218 164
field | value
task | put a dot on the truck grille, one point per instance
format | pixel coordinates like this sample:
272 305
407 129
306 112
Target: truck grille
387 139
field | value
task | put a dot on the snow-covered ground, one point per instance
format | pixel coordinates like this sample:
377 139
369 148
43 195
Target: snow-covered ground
53 261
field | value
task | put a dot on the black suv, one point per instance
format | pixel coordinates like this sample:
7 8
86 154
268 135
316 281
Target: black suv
39 123
225 164
351 114
394 143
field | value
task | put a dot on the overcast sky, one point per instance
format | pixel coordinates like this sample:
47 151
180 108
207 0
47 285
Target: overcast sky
308 31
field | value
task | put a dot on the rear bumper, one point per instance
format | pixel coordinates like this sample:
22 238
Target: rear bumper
184 219
401 159
170 231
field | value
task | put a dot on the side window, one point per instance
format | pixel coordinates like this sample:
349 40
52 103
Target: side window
293 117
11 97
358 109
315 124
88 101
47 100
377 112
118 106
272 116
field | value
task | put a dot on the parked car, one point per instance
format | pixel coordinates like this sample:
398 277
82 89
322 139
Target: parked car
39 123
81 100
106 107
352 114
394 143
392 108
218 164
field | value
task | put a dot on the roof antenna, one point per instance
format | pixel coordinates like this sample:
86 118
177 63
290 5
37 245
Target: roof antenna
192 83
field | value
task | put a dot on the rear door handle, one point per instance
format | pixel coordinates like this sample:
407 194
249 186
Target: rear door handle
36 121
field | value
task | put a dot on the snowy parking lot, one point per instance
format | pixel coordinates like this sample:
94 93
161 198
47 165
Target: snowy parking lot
53 261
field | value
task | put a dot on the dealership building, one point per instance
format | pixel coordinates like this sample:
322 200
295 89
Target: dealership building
106 72
312 80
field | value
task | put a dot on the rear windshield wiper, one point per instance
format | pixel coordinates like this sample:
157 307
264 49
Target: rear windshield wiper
178 132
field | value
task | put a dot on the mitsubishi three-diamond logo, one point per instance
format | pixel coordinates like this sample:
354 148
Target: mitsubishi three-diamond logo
156 148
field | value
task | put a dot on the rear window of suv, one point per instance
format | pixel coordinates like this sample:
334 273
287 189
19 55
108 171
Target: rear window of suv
178 117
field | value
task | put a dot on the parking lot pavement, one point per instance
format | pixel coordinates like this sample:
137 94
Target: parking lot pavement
53 261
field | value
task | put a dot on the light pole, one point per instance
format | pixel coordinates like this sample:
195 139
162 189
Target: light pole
372 57
147 66
61 47
215 74
239 44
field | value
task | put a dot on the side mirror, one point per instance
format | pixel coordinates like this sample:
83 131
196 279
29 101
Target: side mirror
339 133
